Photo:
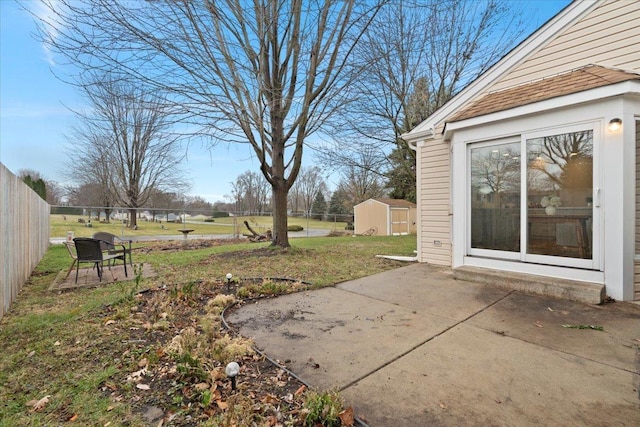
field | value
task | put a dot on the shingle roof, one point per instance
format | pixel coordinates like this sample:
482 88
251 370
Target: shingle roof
396 203
581 79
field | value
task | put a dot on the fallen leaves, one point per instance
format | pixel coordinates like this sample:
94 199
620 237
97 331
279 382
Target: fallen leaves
38 405
137 375
346 417
269 398
201 386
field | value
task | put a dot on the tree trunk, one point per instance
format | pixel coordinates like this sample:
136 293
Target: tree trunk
280 219
133 220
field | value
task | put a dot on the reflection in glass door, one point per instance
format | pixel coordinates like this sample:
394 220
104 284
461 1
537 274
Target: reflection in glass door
495 197
559 192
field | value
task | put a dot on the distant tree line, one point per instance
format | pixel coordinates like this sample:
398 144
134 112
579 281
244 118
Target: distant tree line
310 197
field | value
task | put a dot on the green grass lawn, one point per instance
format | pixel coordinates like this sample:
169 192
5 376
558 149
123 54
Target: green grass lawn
61 224
75 349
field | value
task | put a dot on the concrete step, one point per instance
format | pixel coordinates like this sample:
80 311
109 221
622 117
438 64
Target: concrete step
573 290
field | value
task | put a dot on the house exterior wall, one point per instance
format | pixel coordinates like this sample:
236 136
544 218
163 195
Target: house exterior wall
434 201
637 244
637 280
603 32
589 41
614 180
371 214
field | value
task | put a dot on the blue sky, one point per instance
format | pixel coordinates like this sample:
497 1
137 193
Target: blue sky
34 118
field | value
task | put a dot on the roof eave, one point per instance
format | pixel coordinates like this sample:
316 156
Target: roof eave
414 137
631 87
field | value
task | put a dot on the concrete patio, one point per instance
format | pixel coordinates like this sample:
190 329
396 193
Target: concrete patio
414 347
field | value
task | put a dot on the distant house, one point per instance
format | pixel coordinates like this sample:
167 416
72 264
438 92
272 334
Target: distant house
385 217
534 168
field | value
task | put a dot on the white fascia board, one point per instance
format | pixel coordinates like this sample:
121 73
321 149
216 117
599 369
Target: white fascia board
415 136
532 43
623 88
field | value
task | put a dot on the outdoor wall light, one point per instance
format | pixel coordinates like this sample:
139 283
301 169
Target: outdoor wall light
229 277
615 125
232 371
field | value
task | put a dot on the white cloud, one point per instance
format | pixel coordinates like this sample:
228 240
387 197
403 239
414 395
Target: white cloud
47 18
33 111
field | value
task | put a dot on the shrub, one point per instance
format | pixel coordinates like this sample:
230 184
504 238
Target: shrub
227 349
220 215
323 409
209 220
295 228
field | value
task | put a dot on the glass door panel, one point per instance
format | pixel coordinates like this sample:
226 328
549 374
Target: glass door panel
495 197
559 192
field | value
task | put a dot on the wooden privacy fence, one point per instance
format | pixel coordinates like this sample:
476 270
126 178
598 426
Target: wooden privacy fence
24 235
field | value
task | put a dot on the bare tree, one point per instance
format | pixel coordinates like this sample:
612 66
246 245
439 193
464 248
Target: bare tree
161 201
269 73
91 175
197 205
310 182
494 171
361 183
567 159
412 60
251 193
123 143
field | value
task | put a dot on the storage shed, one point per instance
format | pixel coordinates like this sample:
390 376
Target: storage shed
385 217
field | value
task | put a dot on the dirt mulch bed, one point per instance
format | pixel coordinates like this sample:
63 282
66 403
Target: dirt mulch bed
187 389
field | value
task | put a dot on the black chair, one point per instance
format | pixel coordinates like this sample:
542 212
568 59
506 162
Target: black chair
112 241
90 251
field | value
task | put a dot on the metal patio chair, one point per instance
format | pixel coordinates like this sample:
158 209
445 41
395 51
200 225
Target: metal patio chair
114 241
71 247
90 251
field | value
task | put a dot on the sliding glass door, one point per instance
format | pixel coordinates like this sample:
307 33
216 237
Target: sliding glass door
560 195
532 198
495 197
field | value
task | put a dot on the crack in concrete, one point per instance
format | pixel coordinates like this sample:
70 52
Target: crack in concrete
415 347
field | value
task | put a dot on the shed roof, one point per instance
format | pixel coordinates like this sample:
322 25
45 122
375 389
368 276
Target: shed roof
396 203
578 80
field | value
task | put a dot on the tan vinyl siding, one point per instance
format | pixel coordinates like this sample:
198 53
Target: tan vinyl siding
636 295
636 289
435 194
637 188
589 41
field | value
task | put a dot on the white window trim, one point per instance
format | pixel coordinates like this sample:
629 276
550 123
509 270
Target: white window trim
489 253
562 267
